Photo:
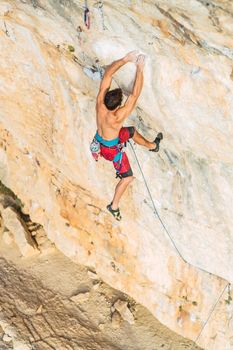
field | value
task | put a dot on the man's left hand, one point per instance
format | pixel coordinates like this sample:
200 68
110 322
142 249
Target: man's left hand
132 56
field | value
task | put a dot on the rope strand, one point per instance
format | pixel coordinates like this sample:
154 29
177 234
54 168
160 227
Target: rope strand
154 207
210 314
177 250
161 221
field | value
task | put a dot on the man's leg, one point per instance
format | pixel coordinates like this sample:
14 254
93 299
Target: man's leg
120 189
140 140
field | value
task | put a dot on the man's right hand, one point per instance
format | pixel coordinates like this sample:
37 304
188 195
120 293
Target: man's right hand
140 63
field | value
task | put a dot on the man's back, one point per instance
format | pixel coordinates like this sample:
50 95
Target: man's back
108 124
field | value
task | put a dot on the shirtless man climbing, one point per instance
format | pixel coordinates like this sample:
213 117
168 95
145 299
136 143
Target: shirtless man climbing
111 134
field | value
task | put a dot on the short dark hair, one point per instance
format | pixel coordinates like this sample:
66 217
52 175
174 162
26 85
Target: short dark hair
113 99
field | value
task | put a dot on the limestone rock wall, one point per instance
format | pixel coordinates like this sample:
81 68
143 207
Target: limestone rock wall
47 120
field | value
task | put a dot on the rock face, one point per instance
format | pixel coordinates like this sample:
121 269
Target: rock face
40 309
47 120
122 308
20 232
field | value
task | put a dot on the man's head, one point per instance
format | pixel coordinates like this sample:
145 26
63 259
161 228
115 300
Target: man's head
113 99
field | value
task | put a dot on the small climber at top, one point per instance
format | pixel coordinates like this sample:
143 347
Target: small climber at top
110 116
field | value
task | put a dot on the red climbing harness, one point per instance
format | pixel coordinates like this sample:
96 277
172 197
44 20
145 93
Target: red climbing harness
113 151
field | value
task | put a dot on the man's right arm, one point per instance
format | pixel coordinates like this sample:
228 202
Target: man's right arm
125 111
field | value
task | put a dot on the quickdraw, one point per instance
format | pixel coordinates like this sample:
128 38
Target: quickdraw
86 16
100 5
95 149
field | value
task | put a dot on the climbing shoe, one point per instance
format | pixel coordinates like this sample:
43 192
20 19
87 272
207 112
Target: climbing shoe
157 140
116 213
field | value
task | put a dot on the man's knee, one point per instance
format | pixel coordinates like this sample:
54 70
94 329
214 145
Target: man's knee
128 179
132 131
135 133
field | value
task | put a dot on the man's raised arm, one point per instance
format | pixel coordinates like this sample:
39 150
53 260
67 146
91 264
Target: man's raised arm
112 69
124 111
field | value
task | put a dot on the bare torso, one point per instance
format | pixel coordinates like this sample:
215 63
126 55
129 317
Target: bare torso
107 122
